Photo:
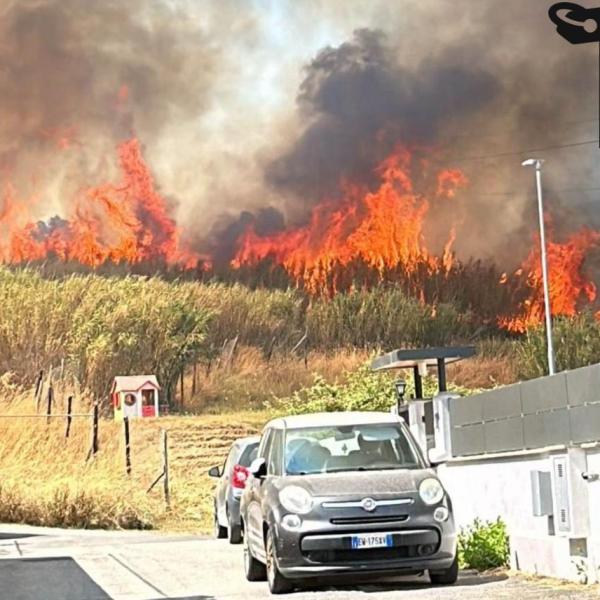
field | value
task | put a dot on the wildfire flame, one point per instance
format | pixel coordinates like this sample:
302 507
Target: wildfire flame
382 228
568 287
124 222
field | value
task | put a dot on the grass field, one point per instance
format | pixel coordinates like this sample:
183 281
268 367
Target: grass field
46 479
90 328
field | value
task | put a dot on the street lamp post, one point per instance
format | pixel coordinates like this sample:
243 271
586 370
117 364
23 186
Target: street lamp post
538 179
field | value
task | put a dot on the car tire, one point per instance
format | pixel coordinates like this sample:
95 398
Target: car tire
234 531
254 569
219 532
278 584
447 576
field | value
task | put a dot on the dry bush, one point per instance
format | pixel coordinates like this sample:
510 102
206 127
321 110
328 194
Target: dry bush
494 364
251 380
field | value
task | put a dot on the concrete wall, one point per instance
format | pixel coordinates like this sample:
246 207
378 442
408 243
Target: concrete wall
492 487
563 409
492 444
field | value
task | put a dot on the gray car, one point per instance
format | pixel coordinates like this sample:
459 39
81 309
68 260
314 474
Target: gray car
344 493
232 480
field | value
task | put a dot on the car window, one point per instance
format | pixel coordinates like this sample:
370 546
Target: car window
231 459
248 455
368 447
275 454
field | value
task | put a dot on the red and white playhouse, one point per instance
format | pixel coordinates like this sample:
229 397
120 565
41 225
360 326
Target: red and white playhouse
135 396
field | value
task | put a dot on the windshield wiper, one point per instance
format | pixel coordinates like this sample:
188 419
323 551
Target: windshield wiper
363 468
396 468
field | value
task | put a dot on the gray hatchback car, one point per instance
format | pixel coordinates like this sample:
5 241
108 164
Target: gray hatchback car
344 493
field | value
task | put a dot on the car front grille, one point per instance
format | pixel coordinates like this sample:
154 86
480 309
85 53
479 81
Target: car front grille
368 554
368 520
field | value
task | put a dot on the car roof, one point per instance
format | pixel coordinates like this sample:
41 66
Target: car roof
331 419
246 441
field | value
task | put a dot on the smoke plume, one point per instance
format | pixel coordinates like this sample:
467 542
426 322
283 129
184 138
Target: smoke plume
248 115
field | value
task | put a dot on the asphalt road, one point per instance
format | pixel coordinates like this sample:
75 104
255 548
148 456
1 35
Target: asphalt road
56 564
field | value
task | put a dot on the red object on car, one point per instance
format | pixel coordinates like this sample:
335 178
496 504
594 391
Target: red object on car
239 477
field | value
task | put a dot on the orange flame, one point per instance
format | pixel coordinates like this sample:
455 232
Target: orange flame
383 228
567 285
124 222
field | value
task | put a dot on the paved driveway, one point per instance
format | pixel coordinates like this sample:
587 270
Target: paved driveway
84 565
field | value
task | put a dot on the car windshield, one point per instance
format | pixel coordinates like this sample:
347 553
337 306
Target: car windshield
369 447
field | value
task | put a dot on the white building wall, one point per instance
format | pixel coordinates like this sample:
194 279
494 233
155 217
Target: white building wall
488 487
593 469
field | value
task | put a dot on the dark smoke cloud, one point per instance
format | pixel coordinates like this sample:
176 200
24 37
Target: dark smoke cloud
95 73
221 240
357 91
471 78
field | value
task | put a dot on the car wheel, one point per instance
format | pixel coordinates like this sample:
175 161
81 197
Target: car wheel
278 584
447 576
234 531
219 532
254 569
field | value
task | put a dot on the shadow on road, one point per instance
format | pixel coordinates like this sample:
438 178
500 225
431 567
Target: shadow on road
369 586
47 578
16 536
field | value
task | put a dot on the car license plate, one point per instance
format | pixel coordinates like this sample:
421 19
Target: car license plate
372 540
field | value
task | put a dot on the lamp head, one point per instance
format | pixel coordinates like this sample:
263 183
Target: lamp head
400 386
532 162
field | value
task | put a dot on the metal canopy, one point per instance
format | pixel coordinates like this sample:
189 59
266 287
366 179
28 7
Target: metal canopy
405 359
423 357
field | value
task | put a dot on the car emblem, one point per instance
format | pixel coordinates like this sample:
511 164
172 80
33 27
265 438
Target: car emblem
368 504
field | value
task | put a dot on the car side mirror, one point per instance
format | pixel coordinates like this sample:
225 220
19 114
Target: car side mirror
435 459
214 472
258 468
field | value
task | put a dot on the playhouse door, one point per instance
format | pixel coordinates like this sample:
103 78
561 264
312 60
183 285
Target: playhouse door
130 405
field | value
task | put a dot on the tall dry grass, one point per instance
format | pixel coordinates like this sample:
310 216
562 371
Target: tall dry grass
100 327
46 479
252 380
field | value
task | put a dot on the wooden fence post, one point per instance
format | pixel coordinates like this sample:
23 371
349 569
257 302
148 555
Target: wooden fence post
38 388
127 446
182 388
69 417
271 348
95 416
50 400
165 453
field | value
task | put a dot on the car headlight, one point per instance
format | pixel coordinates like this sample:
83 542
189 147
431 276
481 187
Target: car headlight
431 491
296 499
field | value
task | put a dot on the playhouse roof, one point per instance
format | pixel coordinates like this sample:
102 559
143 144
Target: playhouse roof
133 383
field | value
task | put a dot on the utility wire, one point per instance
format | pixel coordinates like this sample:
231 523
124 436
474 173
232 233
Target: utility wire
525 151
462 136
549 191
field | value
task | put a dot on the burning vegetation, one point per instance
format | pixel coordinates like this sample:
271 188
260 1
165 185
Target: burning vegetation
126 222
365 192
361 239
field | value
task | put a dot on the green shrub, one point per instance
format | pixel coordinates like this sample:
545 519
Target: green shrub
483 545
576 344
362 390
